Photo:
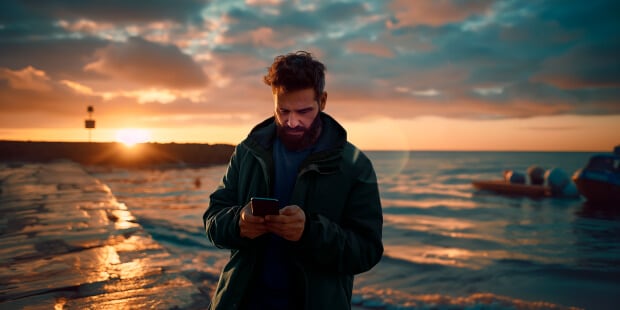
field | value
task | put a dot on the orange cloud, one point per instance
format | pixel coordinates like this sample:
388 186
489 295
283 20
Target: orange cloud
369 48
86 26
435 12
28 78
77 87
262 2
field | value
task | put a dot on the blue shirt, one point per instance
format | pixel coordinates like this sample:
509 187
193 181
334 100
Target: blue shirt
286 165
274 289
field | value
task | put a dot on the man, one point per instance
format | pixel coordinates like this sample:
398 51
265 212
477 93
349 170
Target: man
330 219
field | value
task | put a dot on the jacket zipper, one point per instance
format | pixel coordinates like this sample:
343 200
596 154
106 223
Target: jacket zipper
263 165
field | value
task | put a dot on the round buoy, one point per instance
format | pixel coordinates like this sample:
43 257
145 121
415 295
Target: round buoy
570 190
514 177
536 174
557 180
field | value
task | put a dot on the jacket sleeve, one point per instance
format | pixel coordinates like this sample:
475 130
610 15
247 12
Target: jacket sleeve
354 244
221 219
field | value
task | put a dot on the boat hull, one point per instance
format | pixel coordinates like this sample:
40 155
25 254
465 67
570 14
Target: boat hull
512 189
598 191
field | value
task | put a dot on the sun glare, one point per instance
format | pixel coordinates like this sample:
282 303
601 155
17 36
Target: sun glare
131 136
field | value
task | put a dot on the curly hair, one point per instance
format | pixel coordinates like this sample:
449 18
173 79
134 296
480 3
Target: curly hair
296 71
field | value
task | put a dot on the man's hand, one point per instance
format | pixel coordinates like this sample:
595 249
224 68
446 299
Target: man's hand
251 226
289 224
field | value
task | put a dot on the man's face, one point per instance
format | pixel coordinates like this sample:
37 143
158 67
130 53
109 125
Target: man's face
295 113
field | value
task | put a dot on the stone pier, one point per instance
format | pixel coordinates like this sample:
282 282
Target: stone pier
66 243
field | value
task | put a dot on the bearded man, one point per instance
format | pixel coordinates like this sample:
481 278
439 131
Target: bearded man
328 221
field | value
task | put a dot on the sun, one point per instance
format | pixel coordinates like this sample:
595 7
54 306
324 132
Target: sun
132 136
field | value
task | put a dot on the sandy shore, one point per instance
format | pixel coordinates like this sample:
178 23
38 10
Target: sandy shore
66 242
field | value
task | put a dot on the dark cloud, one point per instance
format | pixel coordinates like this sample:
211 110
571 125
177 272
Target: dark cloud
584 66
147 63
118 11
59 58
29 20
292 24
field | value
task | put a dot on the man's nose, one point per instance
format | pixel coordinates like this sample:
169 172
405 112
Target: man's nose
293 120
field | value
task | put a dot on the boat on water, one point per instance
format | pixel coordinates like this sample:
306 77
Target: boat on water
513 189
599 180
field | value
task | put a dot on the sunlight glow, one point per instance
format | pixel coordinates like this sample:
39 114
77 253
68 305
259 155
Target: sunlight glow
131 136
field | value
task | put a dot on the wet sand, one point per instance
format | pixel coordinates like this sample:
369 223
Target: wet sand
65 242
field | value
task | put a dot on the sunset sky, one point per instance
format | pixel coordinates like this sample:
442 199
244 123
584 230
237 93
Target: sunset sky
402 74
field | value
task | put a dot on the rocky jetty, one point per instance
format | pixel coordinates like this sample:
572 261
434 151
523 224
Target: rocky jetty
66 243
116 154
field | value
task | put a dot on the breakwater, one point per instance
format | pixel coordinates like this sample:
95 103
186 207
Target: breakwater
116 154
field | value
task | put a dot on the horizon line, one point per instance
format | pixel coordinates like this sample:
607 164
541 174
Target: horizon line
363 149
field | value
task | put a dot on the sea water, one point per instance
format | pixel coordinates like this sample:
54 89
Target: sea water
447 245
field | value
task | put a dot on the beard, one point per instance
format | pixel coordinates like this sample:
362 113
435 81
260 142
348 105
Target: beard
294 142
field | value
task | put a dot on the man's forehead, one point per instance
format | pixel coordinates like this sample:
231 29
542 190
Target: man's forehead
297 95
284 91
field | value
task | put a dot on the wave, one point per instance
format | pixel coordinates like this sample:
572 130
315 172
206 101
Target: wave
175 235
376 298
400 284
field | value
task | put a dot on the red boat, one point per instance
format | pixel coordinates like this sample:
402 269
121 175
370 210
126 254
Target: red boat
599 181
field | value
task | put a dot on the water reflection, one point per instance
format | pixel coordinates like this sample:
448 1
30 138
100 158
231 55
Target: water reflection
122 218
596 229
605 211
389 164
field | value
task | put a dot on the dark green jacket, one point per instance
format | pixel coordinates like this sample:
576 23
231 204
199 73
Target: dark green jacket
337 189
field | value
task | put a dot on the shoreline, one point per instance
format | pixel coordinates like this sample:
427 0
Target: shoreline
66 241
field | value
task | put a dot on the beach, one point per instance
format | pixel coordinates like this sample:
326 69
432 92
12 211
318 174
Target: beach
66 243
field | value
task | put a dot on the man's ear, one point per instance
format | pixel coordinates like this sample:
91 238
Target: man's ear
323 101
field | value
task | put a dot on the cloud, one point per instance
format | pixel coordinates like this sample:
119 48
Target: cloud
30 98
63 58
370 48
147 63
552 128
112 10
584 66
28 78
435 12
77 87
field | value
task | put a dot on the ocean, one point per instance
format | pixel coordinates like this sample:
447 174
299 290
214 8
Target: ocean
447 245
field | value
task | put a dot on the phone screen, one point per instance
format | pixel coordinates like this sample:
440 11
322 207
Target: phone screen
262 206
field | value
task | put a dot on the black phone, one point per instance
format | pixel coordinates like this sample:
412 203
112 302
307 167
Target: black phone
262 206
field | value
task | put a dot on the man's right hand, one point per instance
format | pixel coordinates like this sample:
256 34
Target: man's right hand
251 226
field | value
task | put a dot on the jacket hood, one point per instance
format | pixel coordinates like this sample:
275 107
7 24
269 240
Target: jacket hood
333 135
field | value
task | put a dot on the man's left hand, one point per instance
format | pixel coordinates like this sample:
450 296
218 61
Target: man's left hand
289 224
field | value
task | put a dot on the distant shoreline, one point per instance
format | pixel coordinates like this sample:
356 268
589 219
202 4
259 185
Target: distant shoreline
114 154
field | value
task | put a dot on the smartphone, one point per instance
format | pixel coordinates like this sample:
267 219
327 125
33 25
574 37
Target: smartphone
262 206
